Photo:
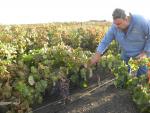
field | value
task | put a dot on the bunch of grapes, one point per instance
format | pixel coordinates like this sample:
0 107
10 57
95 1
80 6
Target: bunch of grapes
64 88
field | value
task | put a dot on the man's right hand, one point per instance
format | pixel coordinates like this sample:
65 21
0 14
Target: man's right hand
87 65
148 73
93 61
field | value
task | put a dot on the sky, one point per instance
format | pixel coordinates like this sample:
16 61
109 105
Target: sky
46 11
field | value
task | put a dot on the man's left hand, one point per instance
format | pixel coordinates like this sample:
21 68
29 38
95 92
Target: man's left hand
148 73
141 55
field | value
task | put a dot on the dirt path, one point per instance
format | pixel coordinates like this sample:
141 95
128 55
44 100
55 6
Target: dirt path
106 99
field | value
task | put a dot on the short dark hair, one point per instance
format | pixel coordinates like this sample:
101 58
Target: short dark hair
119 13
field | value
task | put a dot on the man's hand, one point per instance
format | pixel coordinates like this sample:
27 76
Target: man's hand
88 64
148 75
93 61
141 55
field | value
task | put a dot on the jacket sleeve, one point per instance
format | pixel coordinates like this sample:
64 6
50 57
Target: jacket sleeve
103 45
146 29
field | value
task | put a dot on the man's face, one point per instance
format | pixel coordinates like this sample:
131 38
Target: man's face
121 24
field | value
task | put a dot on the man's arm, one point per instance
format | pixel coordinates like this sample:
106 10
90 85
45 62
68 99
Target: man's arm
93 60
109 36
146 28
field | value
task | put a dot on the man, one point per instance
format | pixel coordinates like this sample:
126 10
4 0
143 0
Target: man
132 32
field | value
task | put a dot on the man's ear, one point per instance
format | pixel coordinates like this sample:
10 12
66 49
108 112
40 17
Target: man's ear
127 18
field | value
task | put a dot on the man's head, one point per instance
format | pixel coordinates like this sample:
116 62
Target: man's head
120 19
